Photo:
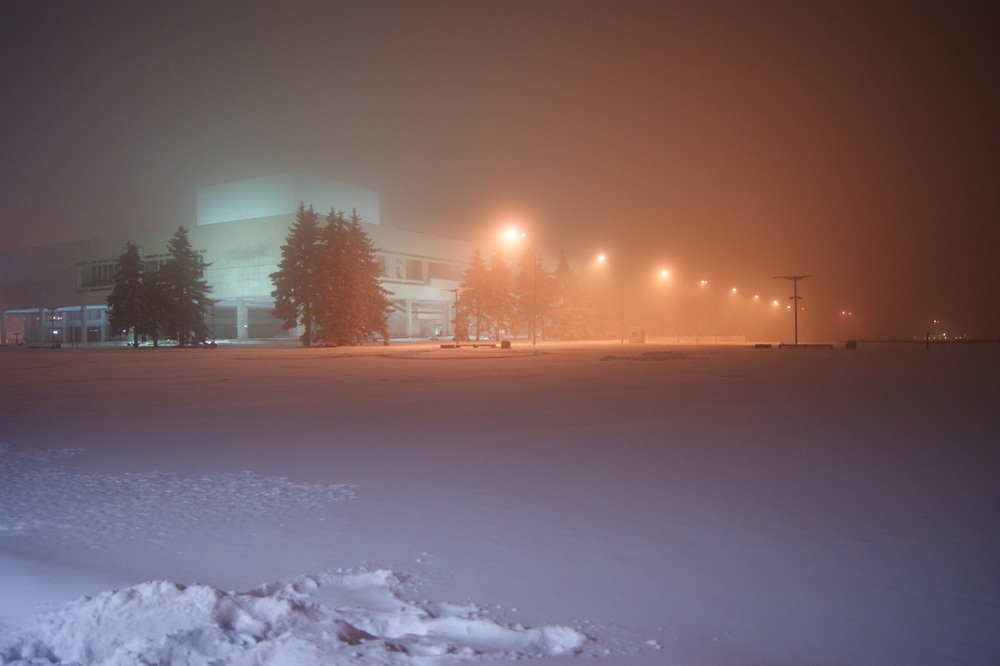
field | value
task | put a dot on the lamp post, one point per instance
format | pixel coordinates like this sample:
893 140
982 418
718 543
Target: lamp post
704 284
621 312
665 275
456 291
850 323
794 298
214 301
513 234
736 294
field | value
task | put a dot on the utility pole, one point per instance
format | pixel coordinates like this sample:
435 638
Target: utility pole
794 298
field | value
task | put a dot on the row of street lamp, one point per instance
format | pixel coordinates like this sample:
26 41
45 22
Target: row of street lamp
514 234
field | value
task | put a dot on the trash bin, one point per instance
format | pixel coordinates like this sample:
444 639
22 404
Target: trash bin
851 344
505 344
637 336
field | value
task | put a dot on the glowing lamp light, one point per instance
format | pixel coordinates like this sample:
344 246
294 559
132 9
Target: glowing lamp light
664 273
513 234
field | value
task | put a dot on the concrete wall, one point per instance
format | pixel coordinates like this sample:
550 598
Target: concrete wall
279 195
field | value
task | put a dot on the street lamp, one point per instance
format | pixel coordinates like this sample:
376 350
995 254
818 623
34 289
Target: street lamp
794 297
714 306
665 275
514 234
735 292
621 281
456 291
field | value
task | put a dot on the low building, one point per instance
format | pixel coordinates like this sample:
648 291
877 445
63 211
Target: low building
55 294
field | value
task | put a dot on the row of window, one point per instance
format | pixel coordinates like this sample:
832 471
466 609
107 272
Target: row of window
101 274
399 267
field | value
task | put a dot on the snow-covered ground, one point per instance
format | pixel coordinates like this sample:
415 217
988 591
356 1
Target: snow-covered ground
639 504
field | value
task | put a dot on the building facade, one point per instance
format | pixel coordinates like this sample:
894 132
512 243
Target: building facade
55 294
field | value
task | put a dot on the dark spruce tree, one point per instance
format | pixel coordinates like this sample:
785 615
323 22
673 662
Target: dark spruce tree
185 292
473 300
296 282
352 306
366 269
129 303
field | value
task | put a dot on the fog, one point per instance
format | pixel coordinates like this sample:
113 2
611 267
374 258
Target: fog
729 142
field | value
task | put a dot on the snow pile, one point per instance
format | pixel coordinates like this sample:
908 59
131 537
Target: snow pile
330 618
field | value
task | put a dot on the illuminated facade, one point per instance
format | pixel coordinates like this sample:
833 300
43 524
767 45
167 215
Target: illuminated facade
56 293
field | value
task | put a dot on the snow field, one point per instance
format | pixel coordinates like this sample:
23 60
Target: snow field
638 505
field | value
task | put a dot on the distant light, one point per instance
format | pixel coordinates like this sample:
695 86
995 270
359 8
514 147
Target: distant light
664 273
601 257
704 281
734 290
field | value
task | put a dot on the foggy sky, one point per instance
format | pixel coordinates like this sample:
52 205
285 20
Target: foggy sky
730 141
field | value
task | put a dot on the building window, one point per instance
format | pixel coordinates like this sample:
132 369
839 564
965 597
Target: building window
154 263
96 274
100 274
415 270
438 270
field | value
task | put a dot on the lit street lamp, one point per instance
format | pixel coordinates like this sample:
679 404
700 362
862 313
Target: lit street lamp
665 275
735 292
714 303
621 281
514 234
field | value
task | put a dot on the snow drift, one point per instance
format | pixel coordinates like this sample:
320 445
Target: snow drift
317 620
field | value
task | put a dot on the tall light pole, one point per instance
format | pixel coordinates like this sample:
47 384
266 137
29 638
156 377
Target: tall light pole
665 275
736 294
794 297
703 284
513 233
621 282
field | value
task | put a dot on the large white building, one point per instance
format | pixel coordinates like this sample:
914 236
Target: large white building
56 293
